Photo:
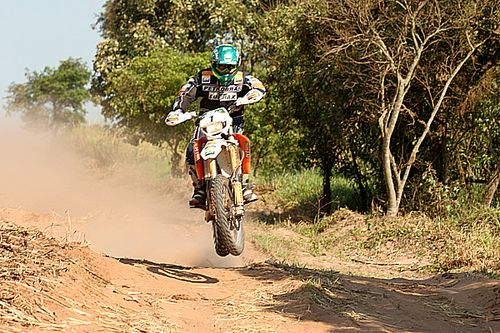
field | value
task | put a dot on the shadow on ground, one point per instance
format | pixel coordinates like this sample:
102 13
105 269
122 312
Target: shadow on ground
464 302
176 272
459 303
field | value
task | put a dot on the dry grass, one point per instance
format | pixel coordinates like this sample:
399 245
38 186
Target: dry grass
32 283
411 243
261 309
29 262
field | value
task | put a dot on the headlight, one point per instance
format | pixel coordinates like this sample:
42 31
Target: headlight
214 128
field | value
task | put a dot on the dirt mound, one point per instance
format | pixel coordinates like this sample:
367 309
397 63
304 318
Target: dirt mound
38 293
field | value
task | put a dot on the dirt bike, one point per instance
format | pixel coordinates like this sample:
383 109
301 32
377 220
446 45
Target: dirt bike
220 162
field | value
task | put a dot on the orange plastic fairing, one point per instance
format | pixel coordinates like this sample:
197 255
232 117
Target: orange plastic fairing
245 146
197 146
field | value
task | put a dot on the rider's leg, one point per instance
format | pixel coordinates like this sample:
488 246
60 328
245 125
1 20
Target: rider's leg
199 195
248 194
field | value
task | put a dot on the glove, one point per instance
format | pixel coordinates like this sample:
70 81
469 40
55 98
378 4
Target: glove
175 117
233 108
253 96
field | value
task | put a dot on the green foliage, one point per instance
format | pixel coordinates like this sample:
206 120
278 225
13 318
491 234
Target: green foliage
275 138
329 83
137 28
373 46
298 194
52 98
150 49
143 91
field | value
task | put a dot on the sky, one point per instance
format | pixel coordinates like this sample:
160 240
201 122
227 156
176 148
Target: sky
39 33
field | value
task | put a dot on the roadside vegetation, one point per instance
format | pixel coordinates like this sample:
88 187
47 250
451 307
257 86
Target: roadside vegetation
106 151
465 241
380 133
451 235
287 222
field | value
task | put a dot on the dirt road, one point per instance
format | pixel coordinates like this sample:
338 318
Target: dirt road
144 262
98 293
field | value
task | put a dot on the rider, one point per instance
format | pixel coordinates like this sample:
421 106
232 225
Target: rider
221 85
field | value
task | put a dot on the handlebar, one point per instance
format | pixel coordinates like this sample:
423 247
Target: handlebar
178 117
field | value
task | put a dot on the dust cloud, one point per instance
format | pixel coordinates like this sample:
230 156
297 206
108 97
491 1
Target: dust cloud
118 214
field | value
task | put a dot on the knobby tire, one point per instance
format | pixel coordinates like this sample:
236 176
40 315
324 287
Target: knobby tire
227 239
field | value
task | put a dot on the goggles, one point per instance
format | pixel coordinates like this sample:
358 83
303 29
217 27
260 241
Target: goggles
225 68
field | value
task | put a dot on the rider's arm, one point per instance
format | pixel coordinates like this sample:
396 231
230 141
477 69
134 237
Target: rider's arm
187 94
256 89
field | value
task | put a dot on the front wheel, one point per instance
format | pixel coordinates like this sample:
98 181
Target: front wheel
229 237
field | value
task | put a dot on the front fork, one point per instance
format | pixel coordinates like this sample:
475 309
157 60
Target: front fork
235 182
237 187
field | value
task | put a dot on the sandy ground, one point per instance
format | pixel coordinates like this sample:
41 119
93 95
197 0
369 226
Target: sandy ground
144 262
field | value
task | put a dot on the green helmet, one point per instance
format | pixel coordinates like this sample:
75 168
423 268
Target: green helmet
225 60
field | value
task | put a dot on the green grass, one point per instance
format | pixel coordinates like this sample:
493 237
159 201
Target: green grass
463 236
470 237
466 241
300 192
282 249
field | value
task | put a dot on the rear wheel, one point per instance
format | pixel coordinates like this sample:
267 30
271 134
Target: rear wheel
229 236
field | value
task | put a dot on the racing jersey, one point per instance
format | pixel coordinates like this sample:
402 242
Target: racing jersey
213 95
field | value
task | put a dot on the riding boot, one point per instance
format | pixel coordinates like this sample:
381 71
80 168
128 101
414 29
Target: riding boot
199 194
248 194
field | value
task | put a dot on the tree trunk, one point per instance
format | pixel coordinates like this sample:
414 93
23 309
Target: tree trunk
326 199
491 187
442 161
392 202
176 161
364 192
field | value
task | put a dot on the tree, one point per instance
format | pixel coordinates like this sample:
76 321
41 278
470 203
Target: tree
151 48
143 92
480 133
389 49
134 29
309 100
52 98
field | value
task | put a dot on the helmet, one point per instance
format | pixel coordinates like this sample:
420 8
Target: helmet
225 60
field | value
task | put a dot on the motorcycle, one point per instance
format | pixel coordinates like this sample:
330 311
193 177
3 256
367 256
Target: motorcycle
219 156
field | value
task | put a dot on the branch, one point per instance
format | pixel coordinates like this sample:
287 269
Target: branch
352 41
396 171
385 111
427 86
380 43
433 114
415 36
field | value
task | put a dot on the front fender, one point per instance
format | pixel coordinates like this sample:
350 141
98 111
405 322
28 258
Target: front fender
217 150
213 148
